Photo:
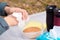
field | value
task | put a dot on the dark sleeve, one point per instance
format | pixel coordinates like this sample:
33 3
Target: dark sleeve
3 25
2 6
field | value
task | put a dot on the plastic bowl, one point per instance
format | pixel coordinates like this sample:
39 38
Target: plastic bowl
31 34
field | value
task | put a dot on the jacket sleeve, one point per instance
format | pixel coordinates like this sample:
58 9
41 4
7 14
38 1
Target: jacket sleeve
2 6
3 25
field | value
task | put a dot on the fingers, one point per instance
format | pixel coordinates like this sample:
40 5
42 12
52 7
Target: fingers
15 20
11 20
24 12
25 15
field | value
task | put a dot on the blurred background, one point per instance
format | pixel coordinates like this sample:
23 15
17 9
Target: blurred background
32 6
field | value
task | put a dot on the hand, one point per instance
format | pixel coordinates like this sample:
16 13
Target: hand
10 10
11 21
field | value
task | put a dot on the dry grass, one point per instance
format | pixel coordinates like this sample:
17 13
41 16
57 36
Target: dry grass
32 6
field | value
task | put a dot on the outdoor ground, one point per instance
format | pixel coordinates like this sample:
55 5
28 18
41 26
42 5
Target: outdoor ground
32 6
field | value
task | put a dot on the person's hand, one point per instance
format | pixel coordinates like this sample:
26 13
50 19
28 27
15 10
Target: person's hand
11 20
10 10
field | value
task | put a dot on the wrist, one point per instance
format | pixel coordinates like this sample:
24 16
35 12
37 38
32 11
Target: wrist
6 19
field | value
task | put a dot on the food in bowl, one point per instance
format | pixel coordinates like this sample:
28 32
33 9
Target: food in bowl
32 29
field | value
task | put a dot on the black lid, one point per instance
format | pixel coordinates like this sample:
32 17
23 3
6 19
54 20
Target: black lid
57 12
50 8
50 16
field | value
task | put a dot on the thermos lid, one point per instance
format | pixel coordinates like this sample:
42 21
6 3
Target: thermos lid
50 8
50 16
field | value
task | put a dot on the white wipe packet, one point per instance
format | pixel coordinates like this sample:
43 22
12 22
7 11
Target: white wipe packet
19 18
17 29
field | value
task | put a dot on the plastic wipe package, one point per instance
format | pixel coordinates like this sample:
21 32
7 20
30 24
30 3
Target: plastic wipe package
19 18
17 29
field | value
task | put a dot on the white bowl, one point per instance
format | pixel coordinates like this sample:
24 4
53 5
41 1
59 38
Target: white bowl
31 34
